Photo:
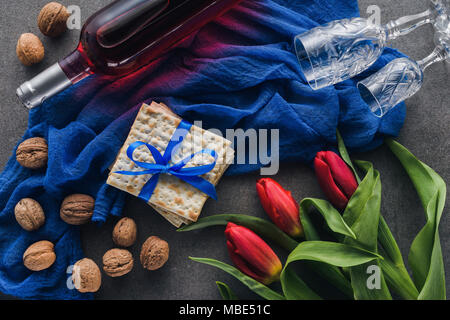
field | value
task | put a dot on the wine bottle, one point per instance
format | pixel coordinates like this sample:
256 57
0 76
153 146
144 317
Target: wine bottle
121 38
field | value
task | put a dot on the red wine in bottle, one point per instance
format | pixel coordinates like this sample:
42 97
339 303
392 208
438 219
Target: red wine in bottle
121 38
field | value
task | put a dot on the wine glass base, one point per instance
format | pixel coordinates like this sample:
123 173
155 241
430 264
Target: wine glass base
442 21
443 40
442 24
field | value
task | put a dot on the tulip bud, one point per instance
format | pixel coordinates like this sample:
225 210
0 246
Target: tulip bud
252 255
280 206
335 178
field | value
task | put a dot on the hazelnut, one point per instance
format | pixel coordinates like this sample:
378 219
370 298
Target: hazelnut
154 253
77 209
32 153
29 214
39 256
117 262
29 49
124 233
52 20
86 276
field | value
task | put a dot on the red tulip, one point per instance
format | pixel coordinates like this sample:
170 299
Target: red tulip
335 178
281 207
252 255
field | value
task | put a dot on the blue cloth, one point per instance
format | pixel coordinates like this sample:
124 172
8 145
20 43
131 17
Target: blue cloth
237 72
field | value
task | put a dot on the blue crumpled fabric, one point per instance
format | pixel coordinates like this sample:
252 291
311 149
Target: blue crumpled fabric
237 72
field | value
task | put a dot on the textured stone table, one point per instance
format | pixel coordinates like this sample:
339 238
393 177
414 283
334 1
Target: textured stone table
426 134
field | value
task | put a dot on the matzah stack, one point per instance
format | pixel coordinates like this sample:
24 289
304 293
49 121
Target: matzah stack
174 199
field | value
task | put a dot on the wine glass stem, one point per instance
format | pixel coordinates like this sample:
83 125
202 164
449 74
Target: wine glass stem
439 54
405 25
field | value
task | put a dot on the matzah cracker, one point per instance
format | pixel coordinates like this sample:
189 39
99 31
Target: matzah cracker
175 220
176 200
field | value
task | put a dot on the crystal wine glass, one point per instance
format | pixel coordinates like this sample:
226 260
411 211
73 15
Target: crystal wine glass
400 79
344 48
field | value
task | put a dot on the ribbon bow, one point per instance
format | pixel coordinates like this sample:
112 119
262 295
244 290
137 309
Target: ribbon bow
162 165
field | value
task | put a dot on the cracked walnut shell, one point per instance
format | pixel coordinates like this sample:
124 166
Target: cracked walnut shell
77 209
29 214
125 232
117 262
32 153
86 276
154 253
52 20
39 256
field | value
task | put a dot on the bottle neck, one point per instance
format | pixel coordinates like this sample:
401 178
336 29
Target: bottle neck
76 66
58 77
407 24
43 86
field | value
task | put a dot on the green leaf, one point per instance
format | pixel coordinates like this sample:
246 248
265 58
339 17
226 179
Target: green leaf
336 254
332 275
225 291
252 284
398 279
363 214
358 201
366 227
295 288
331 253
388 243
393 265
425 256
260 226
328 272
332 217
345 156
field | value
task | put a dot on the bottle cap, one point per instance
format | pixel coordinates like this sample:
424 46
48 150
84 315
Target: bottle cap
45 85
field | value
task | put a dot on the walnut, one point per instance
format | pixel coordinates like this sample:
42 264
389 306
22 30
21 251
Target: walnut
32 153
77 209
117 262
86 276
30 49
124 233
154 253
29 214
52 20
39 256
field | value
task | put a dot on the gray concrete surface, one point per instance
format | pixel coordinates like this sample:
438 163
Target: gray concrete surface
426 134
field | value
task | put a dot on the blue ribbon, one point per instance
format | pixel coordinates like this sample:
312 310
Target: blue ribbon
162 165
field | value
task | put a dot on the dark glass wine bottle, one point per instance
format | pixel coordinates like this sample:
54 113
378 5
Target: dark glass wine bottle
121 38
